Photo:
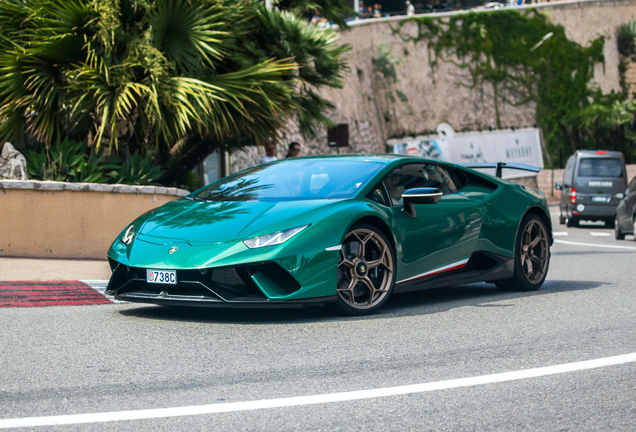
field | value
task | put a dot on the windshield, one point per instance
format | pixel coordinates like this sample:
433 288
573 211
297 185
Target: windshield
600 167
293 180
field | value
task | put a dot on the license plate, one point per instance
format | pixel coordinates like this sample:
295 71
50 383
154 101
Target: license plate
161 276
603 199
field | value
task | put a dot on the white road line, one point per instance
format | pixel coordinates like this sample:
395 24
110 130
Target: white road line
555 214
315 399
600 234
594 245
560 233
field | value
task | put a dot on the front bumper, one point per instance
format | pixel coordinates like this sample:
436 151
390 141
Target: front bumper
251 285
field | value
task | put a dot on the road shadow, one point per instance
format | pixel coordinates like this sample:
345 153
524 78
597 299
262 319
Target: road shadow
476 295
408 304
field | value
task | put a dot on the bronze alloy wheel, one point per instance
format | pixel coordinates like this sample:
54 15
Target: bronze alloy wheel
365 270
535 251
532 256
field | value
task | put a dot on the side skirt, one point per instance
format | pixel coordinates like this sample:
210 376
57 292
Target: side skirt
480 267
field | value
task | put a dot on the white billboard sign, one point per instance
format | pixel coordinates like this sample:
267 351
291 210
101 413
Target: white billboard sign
521 146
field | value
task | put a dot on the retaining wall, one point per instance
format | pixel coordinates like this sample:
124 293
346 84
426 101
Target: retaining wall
370 105
70 220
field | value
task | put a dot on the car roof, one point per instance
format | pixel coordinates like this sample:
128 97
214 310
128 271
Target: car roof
382 158
600 153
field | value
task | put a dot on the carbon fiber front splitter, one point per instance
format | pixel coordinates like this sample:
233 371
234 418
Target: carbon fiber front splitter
190 301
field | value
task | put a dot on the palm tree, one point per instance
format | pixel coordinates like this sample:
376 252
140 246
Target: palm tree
175 75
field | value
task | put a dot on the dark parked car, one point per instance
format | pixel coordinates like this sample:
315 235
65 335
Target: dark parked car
594 183
443 7
625 222
425 9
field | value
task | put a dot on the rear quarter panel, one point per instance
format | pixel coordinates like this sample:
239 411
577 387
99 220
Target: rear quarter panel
503 214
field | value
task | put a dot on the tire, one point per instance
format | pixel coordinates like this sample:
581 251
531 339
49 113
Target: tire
532 256
561 220
610 223
571 222
366 271
634 228
618 232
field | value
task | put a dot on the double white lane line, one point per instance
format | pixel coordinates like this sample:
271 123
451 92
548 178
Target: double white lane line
315 399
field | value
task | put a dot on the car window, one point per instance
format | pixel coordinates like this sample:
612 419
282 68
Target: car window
289 180
378 195
567 175
597 167
419 176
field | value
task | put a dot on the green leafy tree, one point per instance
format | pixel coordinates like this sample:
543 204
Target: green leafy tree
182 77
523 58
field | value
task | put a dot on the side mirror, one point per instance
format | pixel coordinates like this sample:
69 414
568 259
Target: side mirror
558 186
419 196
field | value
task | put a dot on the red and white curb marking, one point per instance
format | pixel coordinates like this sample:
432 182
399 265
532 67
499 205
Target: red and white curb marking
53 293
100 287
315 399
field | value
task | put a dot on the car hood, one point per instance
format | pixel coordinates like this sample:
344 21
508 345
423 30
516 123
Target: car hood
206 222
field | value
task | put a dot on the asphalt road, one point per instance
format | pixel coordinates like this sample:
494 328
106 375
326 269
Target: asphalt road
122 357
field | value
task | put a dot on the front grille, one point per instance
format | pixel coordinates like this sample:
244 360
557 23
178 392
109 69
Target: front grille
221 283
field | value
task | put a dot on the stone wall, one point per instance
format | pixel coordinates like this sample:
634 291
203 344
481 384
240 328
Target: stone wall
379 109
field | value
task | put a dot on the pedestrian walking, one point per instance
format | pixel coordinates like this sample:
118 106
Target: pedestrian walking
410 9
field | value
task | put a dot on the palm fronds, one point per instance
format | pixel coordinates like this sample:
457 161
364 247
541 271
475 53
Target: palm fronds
109 70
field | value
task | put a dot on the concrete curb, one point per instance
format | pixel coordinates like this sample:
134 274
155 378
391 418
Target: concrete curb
91 187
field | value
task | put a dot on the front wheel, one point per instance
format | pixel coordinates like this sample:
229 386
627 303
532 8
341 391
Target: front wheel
366 271
532 256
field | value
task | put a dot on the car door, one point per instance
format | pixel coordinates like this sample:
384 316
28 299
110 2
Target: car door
440 234
566 191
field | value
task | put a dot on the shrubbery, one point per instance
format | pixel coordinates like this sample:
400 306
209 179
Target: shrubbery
72 161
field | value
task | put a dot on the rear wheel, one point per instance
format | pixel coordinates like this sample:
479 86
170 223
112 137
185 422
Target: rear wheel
618 232
366 271
532 256
610 223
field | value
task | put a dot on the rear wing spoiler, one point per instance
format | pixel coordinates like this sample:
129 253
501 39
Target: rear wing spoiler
499 166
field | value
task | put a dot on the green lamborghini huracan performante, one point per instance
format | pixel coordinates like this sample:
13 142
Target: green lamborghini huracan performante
350 230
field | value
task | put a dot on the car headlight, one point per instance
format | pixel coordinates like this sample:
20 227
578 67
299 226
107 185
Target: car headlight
129 235
274 238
